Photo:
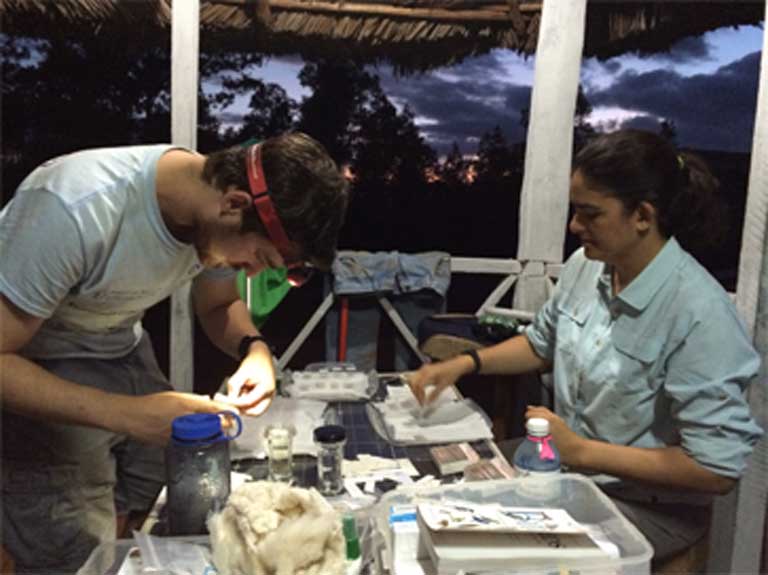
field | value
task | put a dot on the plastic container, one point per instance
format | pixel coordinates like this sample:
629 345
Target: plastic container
122 557
578 495
330 440
197 469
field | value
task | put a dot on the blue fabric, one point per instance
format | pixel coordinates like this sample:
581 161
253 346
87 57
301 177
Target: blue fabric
666 362
415 284
393 272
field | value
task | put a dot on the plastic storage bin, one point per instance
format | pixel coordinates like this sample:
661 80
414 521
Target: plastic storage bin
110 558
578 495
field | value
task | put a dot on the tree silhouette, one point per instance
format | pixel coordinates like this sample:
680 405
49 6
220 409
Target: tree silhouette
338 90
583 130
390 161
271 111
453 170
494 157
668 131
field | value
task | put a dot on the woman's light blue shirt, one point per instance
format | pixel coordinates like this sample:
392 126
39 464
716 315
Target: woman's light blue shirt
665 362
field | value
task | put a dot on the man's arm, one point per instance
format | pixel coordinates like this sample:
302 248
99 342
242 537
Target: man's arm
30 390
226 320
223 315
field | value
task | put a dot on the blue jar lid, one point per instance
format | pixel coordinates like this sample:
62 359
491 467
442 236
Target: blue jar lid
330 434
197 427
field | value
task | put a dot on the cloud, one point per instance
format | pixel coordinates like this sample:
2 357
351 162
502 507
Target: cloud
710 111
462 103
692 48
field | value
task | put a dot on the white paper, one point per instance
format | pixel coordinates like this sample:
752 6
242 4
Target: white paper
449 419
458 515
303 414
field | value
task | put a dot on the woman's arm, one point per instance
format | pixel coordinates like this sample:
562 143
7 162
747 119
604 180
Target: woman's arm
663 466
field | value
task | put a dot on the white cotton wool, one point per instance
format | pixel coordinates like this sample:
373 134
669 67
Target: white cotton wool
270 528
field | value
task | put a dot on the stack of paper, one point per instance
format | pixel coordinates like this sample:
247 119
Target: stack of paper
466 536
453 458
447 420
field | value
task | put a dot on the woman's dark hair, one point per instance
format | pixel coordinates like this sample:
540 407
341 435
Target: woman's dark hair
309 193
636 166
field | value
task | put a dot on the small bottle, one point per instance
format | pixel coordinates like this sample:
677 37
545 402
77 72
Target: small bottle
350 537
280 451
197 470
354 558
537 454
330 440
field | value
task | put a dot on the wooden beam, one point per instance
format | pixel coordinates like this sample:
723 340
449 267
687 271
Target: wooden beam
490 13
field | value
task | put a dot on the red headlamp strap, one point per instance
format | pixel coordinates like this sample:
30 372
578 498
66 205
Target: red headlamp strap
264 205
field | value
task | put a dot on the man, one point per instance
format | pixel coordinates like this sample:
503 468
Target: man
89 242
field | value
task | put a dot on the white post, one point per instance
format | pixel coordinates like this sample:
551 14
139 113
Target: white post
185 42
544 197
737 529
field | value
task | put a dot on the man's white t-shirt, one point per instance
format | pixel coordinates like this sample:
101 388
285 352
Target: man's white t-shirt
84 246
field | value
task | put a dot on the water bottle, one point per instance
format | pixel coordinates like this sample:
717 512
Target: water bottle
330 440
537 458
197 470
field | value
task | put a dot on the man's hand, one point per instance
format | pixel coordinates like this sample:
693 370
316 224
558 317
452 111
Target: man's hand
437 376
149 417
252 387
568 442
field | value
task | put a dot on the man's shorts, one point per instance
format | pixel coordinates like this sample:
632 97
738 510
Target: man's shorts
62 484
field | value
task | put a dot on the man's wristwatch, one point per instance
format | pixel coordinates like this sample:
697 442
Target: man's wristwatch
245 344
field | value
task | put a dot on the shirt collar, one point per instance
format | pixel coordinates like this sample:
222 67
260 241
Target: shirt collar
641 290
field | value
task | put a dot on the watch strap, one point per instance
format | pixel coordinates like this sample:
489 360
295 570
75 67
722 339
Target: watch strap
475 358
245 344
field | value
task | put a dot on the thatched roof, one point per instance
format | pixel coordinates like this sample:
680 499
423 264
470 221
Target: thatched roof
412 34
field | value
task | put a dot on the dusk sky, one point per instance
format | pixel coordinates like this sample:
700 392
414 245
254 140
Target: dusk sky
706 85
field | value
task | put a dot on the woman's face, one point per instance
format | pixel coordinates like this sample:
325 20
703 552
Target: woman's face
607 231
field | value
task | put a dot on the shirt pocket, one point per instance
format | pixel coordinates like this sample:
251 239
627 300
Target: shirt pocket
639 353
571 323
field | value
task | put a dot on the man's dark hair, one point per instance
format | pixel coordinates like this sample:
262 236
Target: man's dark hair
309 193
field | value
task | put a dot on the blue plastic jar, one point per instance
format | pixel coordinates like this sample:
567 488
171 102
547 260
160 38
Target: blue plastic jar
197 470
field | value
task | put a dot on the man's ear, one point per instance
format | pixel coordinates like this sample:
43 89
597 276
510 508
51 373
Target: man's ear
646 216
234 200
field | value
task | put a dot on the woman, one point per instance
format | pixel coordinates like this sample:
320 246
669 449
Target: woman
650 360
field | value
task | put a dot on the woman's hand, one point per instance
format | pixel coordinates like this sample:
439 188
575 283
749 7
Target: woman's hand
437 377
568 442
